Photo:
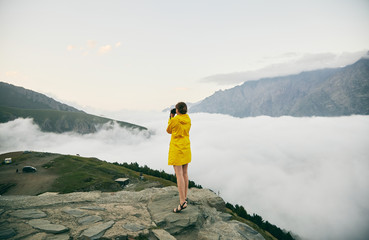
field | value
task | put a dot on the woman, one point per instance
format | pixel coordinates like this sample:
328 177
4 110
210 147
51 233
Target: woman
180 151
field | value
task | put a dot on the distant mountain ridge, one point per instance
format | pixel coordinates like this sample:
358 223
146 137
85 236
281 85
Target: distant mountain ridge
327 92
48 114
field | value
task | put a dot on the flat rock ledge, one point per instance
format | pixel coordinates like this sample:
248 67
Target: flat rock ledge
120 215
46 226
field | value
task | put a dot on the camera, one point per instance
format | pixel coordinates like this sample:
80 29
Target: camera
173 111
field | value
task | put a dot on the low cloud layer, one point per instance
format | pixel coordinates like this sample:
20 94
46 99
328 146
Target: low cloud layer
291 63
308 175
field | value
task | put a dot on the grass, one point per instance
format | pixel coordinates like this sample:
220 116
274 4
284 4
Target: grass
89 174
75 173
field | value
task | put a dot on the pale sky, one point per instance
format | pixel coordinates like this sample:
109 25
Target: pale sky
148 55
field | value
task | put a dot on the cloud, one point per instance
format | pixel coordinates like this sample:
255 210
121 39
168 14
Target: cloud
308 175
91 44
181 88
105 49
71 47
286 64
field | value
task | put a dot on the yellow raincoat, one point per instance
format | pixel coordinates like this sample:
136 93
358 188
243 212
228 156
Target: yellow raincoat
179 148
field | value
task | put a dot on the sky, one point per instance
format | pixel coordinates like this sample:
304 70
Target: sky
307 175
148 55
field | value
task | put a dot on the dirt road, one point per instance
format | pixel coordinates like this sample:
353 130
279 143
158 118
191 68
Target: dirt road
26 183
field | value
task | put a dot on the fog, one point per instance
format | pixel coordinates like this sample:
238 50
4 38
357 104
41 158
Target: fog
307 175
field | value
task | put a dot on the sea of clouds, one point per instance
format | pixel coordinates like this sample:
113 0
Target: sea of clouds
308 175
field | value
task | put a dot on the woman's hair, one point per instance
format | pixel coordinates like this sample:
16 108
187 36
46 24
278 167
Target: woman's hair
182 107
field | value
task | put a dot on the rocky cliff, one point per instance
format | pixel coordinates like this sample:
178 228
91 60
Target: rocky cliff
327 92
120 215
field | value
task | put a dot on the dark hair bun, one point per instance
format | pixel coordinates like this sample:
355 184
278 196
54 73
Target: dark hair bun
182 107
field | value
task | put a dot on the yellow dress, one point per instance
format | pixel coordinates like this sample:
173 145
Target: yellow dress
179 148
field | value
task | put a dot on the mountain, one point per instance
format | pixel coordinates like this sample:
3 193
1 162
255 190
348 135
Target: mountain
18 97
48 114
189 105
327 92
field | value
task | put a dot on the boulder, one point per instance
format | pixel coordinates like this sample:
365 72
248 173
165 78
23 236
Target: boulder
75 212
232 230
95 208
63 236
161 234
28 214
46 226
97 231
161 209
6 233
133 227
89 219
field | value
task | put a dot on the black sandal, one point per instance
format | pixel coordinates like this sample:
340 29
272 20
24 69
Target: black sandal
181 207
185 202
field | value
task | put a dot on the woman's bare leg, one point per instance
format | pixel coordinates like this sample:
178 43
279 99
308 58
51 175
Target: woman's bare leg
180 183
185 179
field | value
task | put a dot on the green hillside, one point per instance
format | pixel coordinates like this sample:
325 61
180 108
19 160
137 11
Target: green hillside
60 121
18 97
48 114
67 173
